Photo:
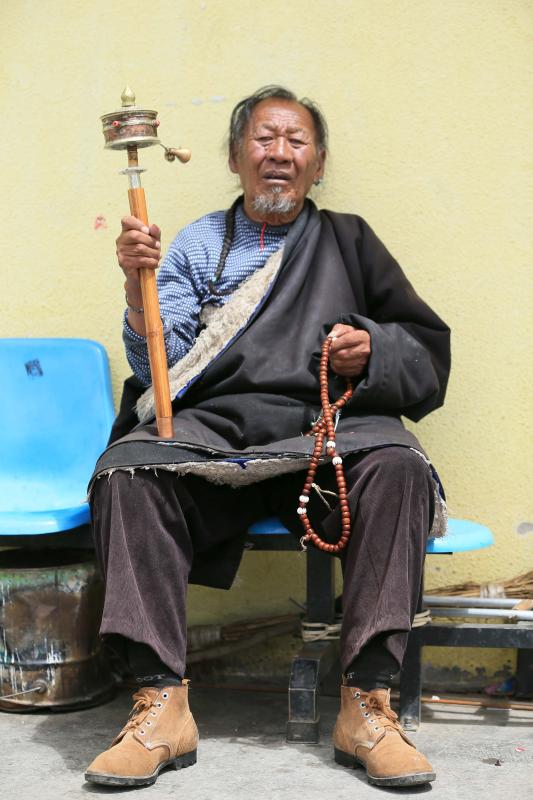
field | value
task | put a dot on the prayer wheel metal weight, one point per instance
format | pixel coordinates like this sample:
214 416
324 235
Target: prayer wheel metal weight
50 652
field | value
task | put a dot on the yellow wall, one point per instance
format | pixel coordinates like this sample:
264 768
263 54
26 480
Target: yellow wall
429 105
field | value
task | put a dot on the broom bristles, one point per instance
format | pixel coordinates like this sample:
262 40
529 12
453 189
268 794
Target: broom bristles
521 587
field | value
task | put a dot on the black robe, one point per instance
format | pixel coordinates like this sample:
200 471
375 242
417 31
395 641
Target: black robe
241 418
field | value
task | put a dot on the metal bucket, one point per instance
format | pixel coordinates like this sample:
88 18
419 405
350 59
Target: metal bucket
50 609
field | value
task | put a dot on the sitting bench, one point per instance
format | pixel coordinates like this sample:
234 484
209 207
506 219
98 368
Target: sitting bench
316 658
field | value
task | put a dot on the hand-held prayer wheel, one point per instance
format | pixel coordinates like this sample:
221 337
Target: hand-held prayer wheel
128 129
132 126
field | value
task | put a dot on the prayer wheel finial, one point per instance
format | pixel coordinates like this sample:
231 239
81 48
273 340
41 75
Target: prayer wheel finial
128 97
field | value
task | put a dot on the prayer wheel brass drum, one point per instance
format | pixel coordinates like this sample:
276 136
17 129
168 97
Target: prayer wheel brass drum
133 126
50 653
129 126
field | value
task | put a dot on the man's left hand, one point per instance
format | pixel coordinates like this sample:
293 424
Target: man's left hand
350 350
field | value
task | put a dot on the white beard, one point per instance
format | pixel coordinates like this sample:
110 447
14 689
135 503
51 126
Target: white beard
273 202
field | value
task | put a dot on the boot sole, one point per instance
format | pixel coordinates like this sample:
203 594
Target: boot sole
412 779
180 762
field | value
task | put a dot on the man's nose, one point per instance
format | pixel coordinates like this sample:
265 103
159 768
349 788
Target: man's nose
279 149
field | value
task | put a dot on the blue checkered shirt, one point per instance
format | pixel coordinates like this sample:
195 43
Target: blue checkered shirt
185 272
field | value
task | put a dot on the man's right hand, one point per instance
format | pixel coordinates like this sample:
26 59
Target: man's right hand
138 247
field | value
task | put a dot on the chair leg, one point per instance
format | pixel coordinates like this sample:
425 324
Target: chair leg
315 659
308 669
320 591
411 683
524 673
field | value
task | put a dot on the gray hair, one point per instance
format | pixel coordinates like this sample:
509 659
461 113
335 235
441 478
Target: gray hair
241 114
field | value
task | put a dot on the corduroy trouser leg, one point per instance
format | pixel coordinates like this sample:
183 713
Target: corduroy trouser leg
147 528
391 497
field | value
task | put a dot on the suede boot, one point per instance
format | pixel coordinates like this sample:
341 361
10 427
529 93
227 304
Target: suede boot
160 732
367 733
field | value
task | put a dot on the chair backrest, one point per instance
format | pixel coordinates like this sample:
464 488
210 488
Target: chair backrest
56 411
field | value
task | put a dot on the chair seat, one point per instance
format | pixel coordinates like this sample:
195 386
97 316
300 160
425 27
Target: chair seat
29 523
56 411
268 526
461 535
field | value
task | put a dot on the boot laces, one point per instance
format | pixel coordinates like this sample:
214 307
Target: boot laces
142 705
383 713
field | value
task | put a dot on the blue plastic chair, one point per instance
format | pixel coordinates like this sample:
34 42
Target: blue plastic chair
56 412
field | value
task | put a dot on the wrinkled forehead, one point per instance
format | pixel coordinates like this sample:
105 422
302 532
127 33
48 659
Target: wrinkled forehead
283 116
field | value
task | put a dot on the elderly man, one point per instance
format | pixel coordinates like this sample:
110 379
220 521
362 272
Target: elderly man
247 297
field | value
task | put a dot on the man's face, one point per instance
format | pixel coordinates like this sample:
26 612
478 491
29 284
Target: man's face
277 161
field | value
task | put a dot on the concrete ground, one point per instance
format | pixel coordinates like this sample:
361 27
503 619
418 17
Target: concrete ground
243 753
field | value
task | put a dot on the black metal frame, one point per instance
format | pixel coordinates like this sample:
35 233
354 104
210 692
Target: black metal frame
73 538
312 664
462 634
315 659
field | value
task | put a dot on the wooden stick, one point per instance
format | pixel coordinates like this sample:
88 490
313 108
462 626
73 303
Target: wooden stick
482 702
157 354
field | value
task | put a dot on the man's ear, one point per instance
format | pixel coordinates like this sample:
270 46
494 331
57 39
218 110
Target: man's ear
321 164
232 163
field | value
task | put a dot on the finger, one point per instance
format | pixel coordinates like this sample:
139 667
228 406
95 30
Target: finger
339 329
131 255
142 249
132 238
355 338
155 232
350 367
350 357
130 223
129 265
348 371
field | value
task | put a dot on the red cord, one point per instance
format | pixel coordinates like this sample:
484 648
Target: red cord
262 237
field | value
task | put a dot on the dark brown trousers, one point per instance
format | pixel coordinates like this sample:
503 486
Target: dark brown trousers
149 526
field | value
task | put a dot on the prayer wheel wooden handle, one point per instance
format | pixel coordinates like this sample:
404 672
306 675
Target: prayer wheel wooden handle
154 330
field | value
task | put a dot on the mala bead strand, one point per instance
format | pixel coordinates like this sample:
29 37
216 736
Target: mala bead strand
324 428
